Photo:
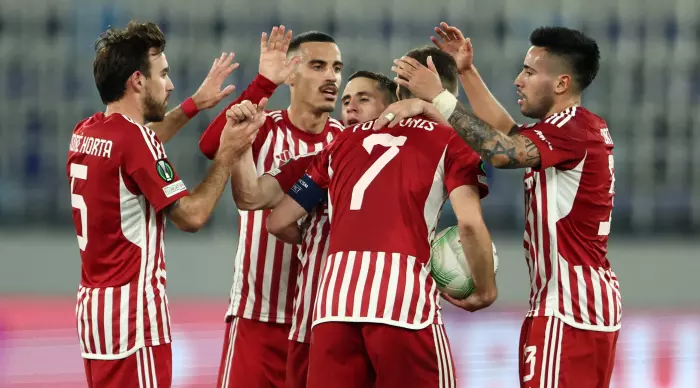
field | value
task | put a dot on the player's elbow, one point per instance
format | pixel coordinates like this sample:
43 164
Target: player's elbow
470 224
247 204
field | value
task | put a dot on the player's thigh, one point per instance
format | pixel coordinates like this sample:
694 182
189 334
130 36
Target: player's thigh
149 367
254 354
297 364
337 357
587 358
410 358
553 354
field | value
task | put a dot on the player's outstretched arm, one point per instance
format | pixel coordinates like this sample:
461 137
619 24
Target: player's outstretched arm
282 221
511 150
273 69
192 212
480 98
207 96
478 249
250 191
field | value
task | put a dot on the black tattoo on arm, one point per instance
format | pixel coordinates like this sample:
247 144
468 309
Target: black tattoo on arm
503 151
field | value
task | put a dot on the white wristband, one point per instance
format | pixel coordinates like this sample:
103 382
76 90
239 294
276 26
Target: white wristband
445 102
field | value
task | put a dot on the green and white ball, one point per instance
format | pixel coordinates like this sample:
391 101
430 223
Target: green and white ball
448 265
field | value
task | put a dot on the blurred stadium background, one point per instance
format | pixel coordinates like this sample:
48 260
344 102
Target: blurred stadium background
648 89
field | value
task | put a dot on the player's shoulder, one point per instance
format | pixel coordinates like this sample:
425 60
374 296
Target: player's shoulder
334 125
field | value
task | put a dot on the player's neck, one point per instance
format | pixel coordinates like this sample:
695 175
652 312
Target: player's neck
126 108
306 119
564 104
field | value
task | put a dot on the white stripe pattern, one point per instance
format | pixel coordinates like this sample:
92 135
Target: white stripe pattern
411 299
446 374
225 379
266 272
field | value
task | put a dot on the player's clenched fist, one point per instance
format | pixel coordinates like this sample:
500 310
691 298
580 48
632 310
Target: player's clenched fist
242 123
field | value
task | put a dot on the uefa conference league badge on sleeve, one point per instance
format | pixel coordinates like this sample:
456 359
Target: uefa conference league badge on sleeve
165 170
482 178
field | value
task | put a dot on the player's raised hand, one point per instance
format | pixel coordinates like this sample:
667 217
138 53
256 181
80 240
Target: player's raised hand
273 55
475 301
423 82
454 43
404 109
210 93
242 124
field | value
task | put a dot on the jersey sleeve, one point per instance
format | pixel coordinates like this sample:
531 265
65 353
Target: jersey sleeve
289 173
146 163
557 146
464 167
260 88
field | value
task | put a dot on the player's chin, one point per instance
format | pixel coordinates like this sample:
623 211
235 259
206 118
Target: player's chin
327 106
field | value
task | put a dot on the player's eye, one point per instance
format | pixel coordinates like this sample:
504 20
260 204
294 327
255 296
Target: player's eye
338 69
317 67
364 99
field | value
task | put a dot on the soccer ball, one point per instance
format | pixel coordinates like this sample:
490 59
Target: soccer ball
448 265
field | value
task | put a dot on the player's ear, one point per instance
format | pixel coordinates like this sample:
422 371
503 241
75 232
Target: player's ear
563 84
137 80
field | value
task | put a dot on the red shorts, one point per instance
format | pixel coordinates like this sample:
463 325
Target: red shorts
297 364
554 354
381 356
149 367
254 354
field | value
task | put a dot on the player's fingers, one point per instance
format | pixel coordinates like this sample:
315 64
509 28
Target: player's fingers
273 38
226 92
404 74
442 33
453 31
468 44
287 40
262 104
248 108
412 62
263 42
437 42
235 113
279 42
431 64
383 119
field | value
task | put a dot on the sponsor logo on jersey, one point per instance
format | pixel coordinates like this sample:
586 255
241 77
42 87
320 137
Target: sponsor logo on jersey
165 171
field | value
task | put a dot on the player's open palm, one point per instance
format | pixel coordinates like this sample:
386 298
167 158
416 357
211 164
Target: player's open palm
242 124
273 55
210 93
454 43
423 82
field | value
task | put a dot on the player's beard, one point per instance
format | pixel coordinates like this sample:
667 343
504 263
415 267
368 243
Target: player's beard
539 110
154 111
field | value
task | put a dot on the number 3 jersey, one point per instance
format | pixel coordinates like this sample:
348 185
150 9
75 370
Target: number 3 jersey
121 181
568 205
385 192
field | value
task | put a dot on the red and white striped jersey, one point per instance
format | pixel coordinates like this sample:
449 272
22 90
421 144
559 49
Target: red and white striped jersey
385 192
568 203
312 253
120 181
265 275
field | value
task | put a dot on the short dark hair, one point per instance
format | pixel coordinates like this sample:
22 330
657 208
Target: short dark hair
119 53
444 64
384 83
578 50
307 37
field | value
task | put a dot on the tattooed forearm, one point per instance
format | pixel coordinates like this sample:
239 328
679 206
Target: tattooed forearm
503 151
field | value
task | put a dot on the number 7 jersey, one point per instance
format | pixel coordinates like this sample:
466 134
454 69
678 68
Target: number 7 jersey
568 205
386 189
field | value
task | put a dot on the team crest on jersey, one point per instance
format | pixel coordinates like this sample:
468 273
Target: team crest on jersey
283 157
165 170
